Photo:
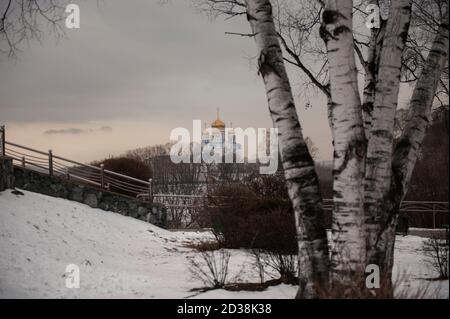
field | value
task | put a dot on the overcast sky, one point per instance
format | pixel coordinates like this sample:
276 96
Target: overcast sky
134 71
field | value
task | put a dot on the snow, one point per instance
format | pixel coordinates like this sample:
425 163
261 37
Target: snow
121 257
412 271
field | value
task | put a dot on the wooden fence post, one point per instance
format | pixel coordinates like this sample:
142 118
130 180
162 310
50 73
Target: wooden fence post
50 162
434 216
2 129
150 191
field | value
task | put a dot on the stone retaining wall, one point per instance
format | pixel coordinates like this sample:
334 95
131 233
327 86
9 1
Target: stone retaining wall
96 198
6 173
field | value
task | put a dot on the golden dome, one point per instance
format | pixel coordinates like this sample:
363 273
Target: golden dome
218 123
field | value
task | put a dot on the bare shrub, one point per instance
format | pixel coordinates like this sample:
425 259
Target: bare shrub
285 265
267 186
126 166
231 206
436 250
259 264
242 219
210 267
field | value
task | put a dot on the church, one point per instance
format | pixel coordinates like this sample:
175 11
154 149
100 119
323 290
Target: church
221 137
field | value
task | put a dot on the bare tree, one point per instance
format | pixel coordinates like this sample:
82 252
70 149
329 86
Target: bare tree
298 165
24 20
371 174
145 154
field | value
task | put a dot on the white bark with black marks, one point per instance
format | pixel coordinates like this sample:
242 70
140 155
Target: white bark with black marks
298 165
379 151
370 79
348 249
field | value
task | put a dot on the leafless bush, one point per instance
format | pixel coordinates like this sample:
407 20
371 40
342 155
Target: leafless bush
436 250
240 218
285 265
258 263
210 267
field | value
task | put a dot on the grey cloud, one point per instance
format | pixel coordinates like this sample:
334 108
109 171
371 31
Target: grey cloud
132 59
72 131
75 131
105 129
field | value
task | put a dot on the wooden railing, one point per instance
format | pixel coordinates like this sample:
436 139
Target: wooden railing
196 202
410 207
54 165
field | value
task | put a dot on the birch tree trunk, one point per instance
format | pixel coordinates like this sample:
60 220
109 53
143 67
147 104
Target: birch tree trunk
348 248
409 144
370 79
299 171
408 147
379 226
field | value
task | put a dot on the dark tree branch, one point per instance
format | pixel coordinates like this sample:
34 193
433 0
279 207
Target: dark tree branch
299 64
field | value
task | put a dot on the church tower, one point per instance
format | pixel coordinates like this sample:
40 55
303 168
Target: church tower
218 123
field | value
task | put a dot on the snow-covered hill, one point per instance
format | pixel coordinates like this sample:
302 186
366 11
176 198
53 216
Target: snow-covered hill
121 257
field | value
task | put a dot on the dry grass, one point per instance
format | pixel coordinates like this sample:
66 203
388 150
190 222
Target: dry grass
204 245
397 289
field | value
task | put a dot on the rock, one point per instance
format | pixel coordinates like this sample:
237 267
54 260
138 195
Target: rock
16 192
56 187
77 194
122 208
133 214
142 211
91 200
104 206
151 218
133 205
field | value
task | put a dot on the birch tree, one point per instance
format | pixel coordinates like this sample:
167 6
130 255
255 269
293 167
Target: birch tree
298 165
381 132
349 140
371 174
